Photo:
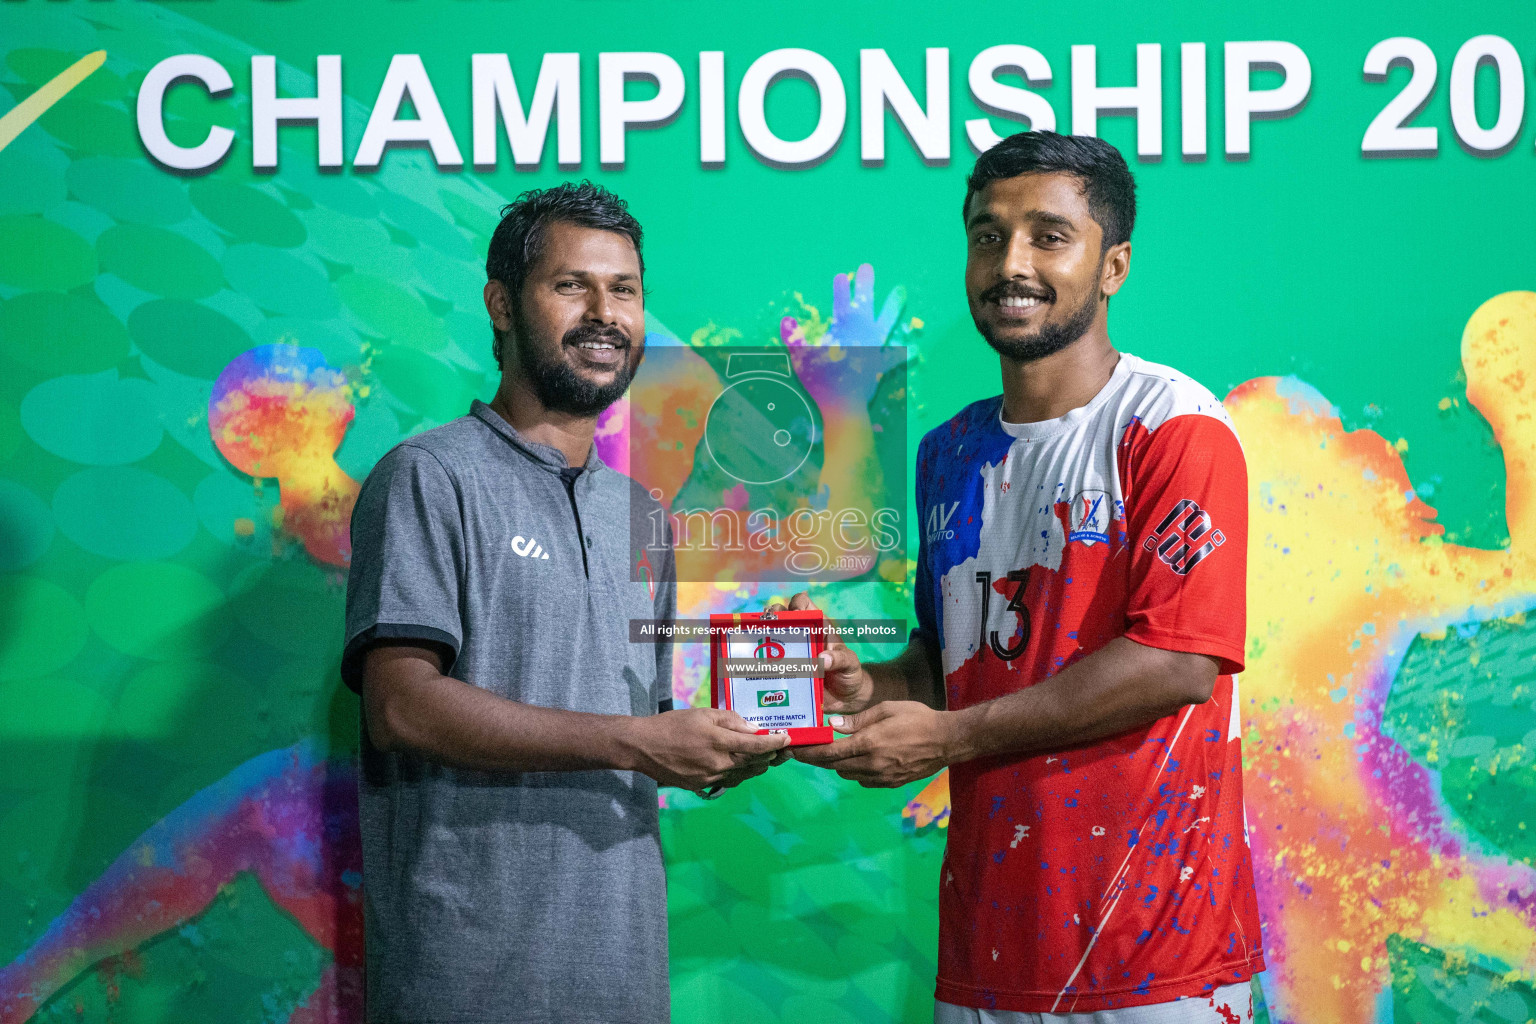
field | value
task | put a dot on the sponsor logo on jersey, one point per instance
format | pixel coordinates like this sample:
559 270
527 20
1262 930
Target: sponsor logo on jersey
938 522
1185 538
527 547
1088 517
772 698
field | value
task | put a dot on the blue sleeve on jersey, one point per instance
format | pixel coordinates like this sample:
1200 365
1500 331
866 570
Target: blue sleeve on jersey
927 630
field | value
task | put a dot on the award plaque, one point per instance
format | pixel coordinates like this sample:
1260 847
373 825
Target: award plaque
765 667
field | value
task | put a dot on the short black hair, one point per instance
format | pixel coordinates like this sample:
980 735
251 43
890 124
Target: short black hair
518 241
1107 182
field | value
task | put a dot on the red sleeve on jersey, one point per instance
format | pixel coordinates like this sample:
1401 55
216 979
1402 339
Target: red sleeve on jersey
1186 488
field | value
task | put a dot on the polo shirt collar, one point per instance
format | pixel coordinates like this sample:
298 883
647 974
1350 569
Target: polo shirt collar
551 458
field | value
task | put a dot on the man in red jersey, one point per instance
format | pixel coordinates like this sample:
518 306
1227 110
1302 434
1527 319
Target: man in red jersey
1080 604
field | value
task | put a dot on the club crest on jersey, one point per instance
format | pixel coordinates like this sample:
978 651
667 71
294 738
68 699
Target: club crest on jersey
1185 538
1088 518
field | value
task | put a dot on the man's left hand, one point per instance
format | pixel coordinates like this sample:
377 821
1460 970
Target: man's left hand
888 745
752 768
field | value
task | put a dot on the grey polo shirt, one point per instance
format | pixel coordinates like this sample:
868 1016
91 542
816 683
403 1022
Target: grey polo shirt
526 897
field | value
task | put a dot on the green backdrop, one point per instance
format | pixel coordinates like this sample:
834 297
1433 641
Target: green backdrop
177 832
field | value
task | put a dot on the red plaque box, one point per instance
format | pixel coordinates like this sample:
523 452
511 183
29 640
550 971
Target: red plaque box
757 663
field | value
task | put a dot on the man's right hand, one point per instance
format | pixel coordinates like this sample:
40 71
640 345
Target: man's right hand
695 748
847 688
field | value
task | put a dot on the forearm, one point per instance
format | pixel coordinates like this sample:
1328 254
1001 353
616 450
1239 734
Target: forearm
908 676
1120 687
451 721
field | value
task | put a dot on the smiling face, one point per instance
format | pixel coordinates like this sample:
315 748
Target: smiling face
578 331
1036 274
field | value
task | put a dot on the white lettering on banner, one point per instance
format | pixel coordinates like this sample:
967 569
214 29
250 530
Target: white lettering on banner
712 108
1008 100
150 112
497 106
407 77
880 84
766 70
323 110
615 113
1144 99
557 93
1192 137
1472 55
1388 133
1244 103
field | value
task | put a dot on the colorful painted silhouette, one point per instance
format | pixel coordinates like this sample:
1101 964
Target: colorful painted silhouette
288 817
1353 843
280 411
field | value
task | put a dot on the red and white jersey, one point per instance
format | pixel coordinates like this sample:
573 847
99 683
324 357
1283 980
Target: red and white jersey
1114 873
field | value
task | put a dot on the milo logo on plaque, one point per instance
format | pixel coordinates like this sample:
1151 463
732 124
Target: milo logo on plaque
772 698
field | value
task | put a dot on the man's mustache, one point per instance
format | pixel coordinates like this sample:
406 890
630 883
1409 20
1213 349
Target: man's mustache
592 332
1015 290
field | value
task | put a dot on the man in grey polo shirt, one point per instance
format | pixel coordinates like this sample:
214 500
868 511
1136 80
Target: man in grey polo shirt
512 744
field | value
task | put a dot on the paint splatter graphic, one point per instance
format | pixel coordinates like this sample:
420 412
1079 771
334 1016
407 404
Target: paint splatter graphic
280 411
931 805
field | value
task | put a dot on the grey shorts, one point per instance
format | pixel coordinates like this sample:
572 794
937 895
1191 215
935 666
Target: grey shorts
1230 1004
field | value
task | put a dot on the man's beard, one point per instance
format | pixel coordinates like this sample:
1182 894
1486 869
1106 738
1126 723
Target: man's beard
559 387
1050 338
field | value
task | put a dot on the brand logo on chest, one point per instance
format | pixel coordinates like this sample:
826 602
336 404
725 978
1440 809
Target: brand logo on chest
527 547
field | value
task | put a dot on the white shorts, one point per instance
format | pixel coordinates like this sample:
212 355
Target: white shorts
1230 1004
